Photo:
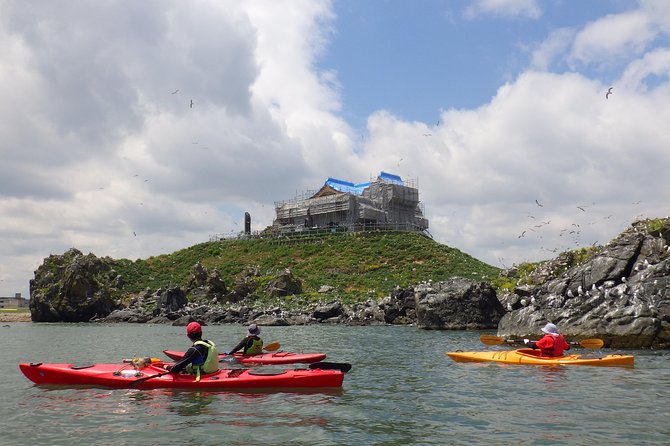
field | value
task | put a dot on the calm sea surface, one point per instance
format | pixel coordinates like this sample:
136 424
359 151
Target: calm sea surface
402 390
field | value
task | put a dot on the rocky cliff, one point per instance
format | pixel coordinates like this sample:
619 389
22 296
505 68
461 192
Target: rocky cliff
73 287
620 294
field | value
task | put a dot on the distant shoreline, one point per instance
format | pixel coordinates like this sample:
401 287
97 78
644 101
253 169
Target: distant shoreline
15 317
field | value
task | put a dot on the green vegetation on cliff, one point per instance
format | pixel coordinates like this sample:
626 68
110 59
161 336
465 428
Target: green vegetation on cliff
359 266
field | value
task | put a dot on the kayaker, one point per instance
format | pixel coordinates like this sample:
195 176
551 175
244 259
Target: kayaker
201 357
252 344
552 343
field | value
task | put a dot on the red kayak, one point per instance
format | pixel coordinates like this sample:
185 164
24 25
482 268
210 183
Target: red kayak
274 358
154 376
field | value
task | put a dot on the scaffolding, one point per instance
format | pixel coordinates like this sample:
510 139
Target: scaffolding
385 202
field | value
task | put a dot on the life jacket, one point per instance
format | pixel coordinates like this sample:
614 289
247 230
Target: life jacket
210 364
556 349
256 347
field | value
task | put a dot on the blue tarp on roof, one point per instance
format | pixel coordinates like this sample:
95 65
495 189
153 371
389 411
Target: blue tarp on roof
357 189
346 186
391 178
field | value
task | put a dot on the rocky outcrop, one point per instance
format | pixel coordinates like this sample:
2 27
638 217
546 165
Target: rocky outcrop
621 294
457 304
284 284
206 286
73 288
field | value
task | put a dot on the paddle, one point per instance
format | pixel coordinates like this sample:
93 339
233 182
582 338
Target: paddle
496 340
137 382
343 367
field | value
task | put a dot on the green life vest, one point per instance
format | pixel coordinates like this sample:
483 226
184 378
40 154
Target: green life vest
207 365
256 347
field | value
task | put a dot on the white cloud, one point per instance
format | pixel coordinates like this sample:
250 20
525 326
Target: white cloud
546 137
552 49
100 155
646 73
504 8
614 36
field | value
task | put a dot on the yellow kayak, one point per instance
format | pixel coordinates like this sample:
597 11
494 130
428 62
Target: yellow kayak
530 356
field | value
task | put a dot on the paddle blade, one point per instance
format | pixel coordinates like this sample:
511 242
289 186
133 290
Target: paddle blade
273 347
591 343
343 367
491 340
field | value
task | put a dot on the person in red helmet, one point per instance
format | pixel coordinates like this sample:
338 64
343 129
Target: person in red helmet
200 358
552 343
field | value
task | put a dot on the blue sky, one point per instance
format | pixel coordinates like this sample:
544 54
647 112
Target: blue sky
418 58
490 106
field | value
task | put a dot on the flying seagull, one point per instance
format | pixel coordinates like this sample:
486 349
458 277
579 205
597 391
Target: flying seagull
609 92
538 203
176 91
191 103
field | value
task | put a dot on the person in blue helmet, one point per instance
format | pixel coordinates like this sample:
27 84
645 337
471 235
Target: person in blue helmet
552 343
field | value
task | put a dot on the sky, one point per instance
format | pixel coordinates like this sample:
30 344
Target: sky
134 129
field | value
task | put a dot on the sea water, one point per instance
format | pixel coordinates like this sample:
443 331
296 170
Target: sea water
402 390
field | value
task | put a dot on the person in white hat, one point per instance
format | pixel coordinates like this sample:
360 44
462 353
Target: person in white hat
252 344
552 343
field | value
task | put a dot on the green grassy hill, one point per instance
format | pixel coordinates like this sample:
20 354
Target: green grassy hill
358 265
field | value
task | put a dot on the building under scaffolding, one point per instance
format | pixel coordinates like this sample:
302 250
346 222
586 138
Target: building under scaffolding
385 203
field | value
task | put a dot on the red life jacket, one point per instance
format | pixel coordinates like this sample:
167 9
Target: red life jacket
551 345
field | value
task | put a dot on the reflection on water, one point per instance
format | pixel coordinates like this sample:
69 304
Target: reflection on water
408 394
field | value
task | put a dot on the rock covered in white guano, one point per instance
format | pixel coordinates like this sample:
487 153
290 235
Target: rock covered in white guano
621 294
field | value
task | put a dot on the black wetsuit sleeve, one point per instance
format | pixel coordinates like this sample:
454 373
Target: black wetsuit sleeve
239 346
191 355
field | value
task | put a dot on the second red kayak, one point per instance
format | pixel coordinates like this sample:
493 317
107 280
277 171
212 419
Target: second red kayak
273 358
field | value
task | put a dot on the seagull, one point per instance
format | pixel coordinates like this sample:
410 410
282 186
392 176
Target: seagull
522 234
581 208
609 92
538 203
175 92
191 103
